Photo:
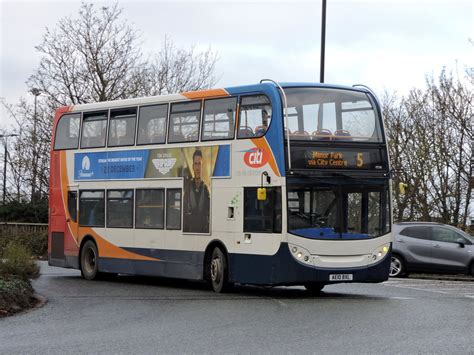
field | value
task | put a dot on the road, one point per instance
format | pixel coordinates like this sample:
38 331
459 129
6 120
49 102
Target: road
150 315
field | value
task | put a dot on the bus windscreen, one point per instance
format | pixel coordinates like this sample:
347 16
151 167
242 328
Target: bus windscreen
317 114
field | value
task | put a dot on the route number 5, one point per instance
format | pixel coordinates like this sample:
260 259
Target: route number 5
360 161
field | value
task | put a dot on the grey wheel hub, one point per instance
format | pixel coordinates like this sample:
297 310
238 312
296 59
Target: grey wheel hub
90 260
395 267
216 270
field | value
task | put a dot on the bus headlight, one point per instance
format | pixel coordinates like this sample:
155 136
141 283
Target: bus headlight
380 252
301 254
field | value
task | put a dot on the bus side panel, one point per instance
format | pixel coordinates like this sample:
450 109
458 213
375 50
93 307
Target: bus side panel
179 264
283 269
62 247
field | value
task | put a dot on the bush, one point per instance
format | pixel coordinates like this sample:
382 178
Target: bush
37 245
15 294
17 261
25 211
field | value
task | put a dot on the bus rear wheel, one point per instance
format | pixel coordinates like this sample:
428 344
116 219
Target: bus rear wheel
218 271
89 261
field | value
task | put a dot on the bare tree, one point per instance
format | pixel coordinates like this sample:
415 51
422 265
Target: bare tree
97 57
94 57
430 144
28 156
177 70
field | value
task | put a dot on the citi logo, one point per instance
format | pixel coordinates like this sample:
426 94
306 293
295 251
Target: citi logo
256 157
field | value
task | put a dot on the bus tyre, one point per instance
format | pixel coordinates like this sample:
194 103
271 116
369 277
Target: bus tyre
314 287
397 266
89 261
218 271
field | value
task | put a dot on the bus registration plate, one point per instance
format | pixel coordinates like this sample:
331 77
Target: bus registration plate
340 277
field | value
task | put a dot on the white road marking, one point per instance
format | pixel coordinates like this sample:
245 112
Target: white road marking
454 288
281 303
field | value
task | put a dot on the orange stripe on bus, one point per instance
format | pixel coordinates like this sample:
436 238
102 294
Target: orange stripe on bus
205 93
263 144
109 250
64 190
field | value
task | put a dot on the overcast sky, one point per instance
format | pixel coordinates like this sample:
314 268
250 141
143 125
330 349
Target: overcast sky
385 44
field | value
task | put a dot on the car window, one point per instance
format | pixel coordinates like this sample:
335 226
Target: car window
416 232
440 234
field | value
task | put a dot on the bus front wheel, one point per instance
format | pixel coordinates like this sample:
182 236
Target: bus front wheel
218 271
314 287
89 261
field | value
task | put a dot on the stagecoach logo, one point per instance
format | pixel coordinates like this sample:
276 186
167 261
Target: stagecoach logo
256 157
164 165
86 166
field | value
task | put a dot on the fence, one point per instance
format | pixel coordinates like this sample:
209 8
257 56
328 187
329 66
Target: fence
11 228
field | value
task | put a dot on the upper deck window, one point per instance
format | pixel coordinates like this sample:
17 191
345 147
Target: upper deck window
67 132
255 115
122 127
184 122
152 124
332 115
219 119
94 127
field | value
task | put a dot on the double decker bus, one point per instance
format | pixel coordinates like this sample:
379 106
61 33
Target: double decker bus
263 184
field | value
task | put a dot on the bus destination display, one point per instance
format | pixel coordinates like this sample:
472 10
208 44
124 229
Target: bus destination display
345 158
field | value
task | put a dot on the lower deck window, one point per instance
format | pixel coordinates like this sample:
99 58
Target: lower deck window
92 208
120 208
150 209
173 209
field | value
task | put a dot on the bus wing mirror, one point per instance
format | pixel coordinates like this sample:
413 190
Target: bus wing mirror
262 194
402 188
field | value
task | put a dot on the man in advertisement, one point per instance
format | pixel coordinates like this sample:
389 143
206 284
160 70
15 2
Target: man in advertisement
196 200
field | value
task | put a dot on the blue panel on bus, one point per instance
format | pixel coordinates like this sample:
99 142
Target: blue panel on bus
222 166
129 164
327 233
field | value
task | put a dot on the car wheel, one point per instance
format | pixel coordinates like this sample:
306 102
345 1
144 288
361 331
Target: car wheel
89 261
218 271
472 268
397 266
314 287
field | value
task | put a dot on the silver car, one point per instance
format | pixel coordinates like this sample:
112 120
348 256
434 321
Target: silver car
430 247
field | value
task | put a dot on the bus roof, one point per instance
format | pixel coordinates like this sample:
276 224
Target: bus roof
200 94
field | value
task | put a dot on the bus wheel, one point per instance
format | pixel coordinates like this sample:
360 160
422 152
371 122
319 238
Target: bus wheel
218 271
314 287
89 261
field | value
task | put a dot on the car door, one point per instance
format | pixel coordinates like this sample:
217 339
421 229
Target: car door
448 254
414 243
